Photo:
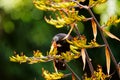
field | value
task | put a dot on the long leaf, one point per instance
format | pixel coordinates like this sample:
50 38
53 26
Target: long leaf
107 59
83 57
111 35
94 27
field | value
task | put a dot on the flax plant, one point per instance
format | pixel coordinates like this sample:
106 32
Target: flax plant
67 16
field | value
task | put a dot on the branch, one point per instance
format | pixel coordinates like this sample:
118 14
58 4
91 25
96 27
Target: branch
72 71
87 56
105 41
102 35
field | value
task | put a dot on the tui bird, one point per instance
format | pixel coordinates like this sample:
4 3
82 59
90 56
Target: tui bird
62 46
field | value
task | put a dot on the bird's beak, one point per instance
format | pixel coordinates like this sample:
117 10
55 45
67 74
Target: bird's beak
53 46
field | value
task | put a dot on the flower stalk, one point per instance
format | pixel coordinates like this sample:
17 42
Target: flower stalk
105 41
65 47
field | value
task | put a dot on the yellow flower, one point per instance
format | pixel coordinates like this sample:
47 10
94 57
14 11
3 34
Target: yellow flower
61 21
96 2
53 5
112 20
52 76
68 56
76 44
19 58
37 53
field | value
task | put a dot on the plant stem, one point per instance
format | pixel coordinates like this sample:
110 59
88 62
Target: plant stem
89 63
105 41
101 32
87 56
72 71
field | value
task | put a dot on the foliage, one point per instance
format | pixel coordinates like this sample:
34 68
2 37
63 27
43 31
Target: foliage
67 15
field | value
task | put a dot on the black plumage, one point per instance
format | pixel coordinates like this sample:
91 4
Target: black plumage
63 47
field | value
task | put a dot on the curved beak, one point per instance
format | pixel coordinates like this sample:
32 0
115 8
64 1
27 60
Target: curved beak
54 46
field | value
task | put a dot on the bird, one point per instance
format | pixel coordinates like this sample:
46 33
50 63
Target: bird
62 46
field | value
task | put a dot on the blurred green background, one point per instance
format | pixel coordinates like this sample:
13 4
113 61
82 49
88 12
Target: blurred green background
23 29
